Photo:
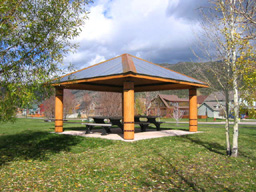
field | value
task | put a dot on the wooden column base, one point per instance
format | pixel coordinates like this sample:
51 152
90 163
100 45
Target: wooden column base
59 110
128 110
193 125
192 110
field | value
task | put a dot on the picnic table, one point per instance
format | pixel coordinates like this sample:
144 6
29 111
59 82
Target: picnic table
150 119
99 121
105 126
117 121
107 122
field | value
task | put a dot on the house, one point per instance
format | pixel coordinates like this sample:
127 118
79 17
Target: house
86 109
163 105
211 109
215 105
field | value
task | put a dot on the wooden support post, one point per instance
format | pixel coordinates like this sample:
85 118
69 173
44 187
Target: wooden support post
192 110
128 110
59 110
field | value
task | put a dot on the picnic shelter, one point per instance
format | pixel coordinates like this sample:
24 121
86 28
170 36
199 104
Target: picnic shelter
127 74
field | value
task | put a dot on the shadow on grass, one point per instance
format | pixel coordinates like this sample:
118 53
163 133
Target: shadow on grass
211 146
246 155
175 177
40 145
74 128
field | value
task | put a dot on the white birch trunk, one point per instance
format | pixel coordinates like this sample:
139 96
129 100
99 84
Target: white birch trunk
228 148
235 84
236 119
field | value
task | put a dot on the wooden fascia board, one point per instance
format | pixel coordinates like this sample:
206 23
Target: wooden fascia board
132 75
161 87
91 80
169 80
93 87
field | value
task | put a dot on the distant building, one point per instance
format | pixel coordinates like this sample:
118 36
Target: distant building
215 105
163 105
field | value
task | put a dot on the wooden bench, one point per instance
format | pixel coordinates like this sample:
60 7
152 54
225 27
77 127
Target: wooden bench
105 126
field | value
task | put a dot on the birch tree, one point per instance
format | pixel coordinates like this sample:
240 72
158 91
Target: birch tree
227 32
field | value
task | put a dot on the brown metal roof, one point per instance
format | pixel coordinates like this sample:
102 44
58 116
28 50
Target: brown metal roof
110 75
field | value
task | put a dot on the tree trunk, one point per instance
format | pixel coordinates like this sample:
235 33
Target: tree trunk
236 119
228 149
235 84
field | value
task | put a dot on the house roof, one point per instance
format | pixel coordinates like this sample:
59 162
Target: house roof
219 96
201 98
110 75
173 98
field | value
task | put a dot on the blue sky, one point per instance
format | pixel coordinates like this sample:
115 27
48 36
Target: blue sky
161 31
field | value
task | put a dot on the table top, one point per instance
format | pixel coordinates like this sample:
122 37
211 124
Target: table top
106 117
119 117
144 116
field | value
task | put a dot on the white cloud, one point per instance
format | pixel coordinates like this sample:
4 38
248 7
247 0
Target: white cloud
97 59
98 27
145 28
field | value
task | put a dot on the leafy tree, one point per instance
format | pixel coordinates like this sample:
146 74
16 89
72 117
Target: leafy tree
140 107
34 38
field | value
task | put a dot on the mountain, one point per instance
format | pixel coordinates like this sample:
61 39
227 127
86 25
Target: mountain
189 69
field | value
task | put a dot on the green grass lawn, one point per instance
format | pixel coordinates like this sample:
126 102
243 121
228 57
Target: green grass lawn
33 159
204 120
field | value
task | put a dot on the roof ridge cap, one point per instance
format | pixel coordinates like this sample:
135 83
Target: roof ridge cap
128 64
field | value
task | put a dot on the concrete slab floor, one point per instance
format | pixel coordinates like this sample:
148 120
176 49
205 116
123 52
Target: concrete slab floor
117 135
